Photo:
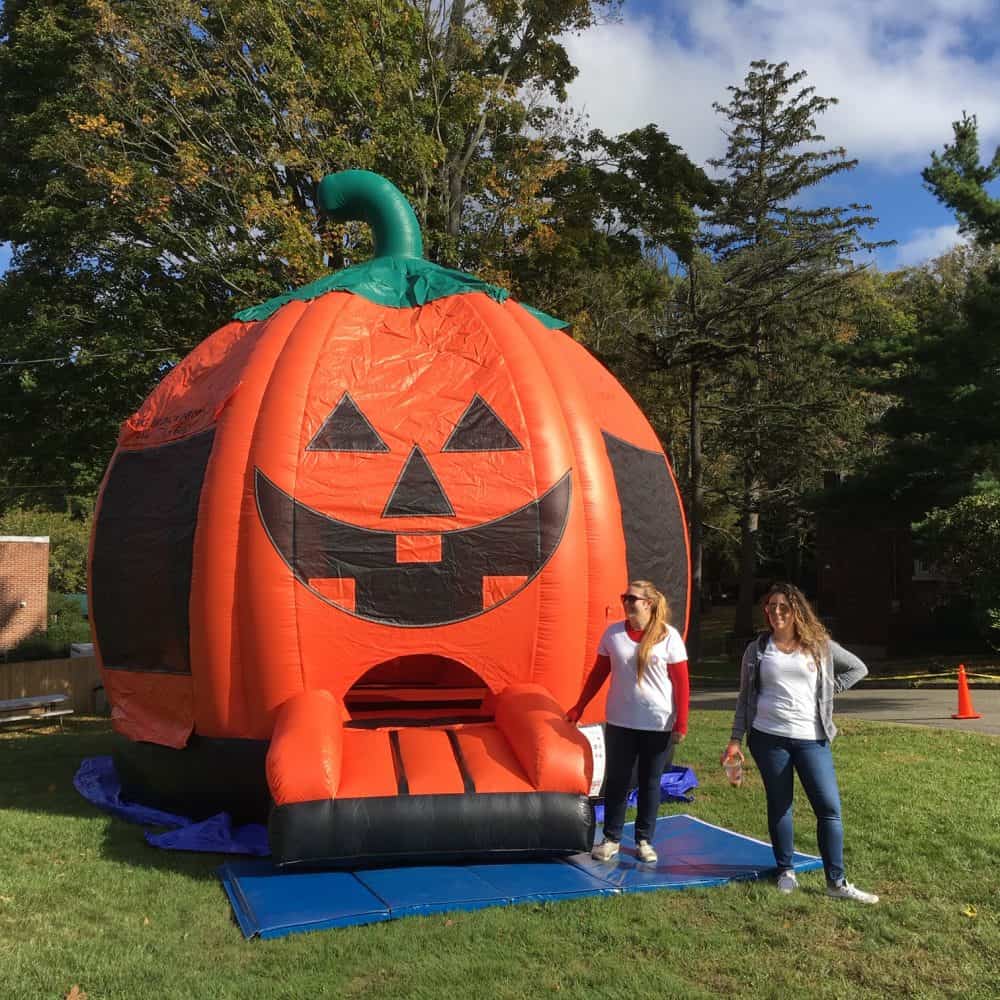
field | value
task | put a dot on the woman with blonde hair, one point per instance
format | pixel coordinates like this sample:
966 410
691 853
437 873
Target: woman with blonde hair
789 676
647 711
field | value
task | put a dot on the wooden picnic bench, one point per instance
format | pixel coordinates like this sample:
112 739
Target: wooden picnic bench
39 706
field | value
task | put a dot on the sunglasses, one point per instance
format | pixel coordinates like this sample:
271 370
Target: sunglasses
775 609
632 598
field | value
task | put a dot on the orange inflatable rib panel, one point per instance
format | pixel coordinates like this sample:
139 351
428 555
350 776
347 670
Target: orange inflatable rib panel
493 765
306 753
429 764
369 769
562 587
621 416
223 703
604 545
265 582
194 392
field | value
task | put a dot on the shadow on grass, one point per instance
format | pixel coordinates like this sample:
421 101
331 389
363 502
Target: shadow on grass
37 766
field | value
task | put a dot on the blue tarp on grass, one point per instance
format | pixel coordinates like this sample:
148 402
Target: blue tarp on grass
97 781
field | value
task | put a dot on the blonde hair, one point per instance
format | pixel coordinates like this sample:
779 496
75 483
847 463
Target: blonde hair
810 632
656 627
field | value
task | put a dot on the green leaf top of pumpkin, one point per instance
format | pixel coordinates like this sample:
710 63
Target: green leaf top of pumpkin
397 276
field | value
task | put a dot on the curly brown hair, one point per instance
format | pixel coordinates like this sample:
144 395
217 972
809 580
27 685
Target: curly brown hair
810 633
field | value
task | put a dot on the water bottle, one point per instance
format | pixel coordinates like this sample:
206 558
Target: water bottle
734 770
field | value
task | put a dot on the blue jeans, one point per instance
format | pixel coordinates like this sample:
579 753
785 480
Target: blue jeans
623 747
777 757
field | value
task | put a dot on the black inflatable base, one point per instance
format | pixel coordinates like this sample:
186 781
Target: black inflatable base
350 833
205 778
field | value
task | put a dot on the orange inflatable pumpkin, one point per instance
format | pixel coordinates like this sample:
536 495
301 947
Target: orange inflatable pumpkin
363 540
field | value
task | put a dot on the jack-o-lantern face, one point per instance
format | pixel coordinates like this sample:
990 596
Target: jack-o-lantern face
426 571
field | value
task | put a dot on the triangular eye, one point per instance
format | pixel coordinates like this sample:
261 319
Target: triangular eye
346 429
480 429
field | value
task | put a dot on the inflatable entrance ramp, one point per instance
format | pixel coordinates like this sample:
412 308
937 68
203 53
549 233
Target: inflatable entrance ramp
515 785
353 555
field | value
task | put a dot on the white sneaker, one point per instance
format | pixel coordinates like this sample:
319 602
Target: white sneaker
605 850
644 849
787 882
847 891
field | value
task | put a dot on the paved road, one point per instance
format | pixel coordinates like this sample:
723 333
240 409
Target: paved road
913 706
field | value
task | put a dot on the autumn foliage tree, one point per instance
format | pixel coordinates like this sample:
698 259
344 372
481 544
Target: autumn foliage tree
159 163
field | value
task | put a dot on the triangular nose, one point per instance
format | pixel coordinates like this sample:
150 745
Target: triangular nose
417 491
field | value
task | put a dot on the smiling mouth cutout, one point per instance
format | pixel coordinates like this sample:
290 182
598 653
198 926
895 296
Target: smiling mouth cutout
414 579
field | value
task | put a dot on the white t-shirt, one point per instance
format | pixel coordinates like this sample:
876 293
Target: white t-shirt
649 705
786 705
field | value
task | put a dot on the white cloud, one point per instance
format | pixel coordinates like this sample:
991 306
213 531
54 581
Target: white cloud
926 243
902 70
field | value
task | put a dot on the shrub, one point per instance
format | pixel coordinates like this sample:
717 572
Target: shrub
66 626
964 540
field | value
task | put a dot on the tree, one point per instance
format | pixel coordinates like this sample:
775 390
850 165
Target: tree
939 374
938 369
607 217
964 540
158 169
494 74
926 343
761 303
925 349
157 174
958 179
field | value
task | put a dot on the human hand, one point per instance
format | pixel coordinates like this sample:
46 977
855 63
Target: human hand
573 715
676 737
732 750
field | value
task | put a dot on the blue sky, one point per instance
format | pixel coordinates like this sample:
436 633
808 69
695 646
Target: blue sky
903 71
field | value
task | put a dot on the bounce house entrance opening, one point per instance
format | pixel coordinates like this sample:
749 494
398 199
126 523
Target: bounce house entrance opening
418 690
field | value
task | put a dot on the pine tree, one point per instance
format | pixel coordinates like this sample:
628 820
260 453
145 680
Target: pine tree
941 373
761 298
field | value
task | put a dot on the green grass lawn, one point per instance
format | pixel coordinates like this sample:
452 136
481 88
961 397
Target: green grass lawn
84 902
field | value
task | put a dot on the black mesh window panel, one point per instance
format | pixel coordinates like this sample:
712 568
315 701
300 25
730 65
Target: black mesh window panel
143 549
655 547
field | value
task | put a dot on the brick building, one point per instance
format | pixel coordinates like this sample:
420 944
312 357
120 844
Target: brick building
24 587
873 593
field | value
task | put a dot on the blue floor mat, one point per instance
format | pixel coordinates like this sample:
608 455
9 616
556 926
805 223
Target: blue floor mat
269 904
692 853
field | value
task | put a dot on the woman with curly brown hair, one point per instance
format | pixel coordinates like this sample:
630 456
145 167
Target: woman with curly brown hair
789 676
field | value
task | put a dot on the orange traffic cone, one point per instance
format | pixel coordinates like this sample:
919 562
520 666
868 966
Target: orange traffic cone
965 709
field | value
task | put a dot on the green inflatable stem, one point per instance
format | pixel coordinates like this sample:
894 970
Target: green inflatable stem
397 276
361 195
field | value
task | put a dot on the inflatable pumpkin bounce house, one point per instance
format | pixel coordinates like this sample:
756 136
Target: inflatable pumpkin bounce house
353 555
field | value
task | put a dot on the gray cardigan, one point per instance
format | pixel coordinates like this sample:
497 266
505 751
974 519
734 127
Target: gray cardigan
839 670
